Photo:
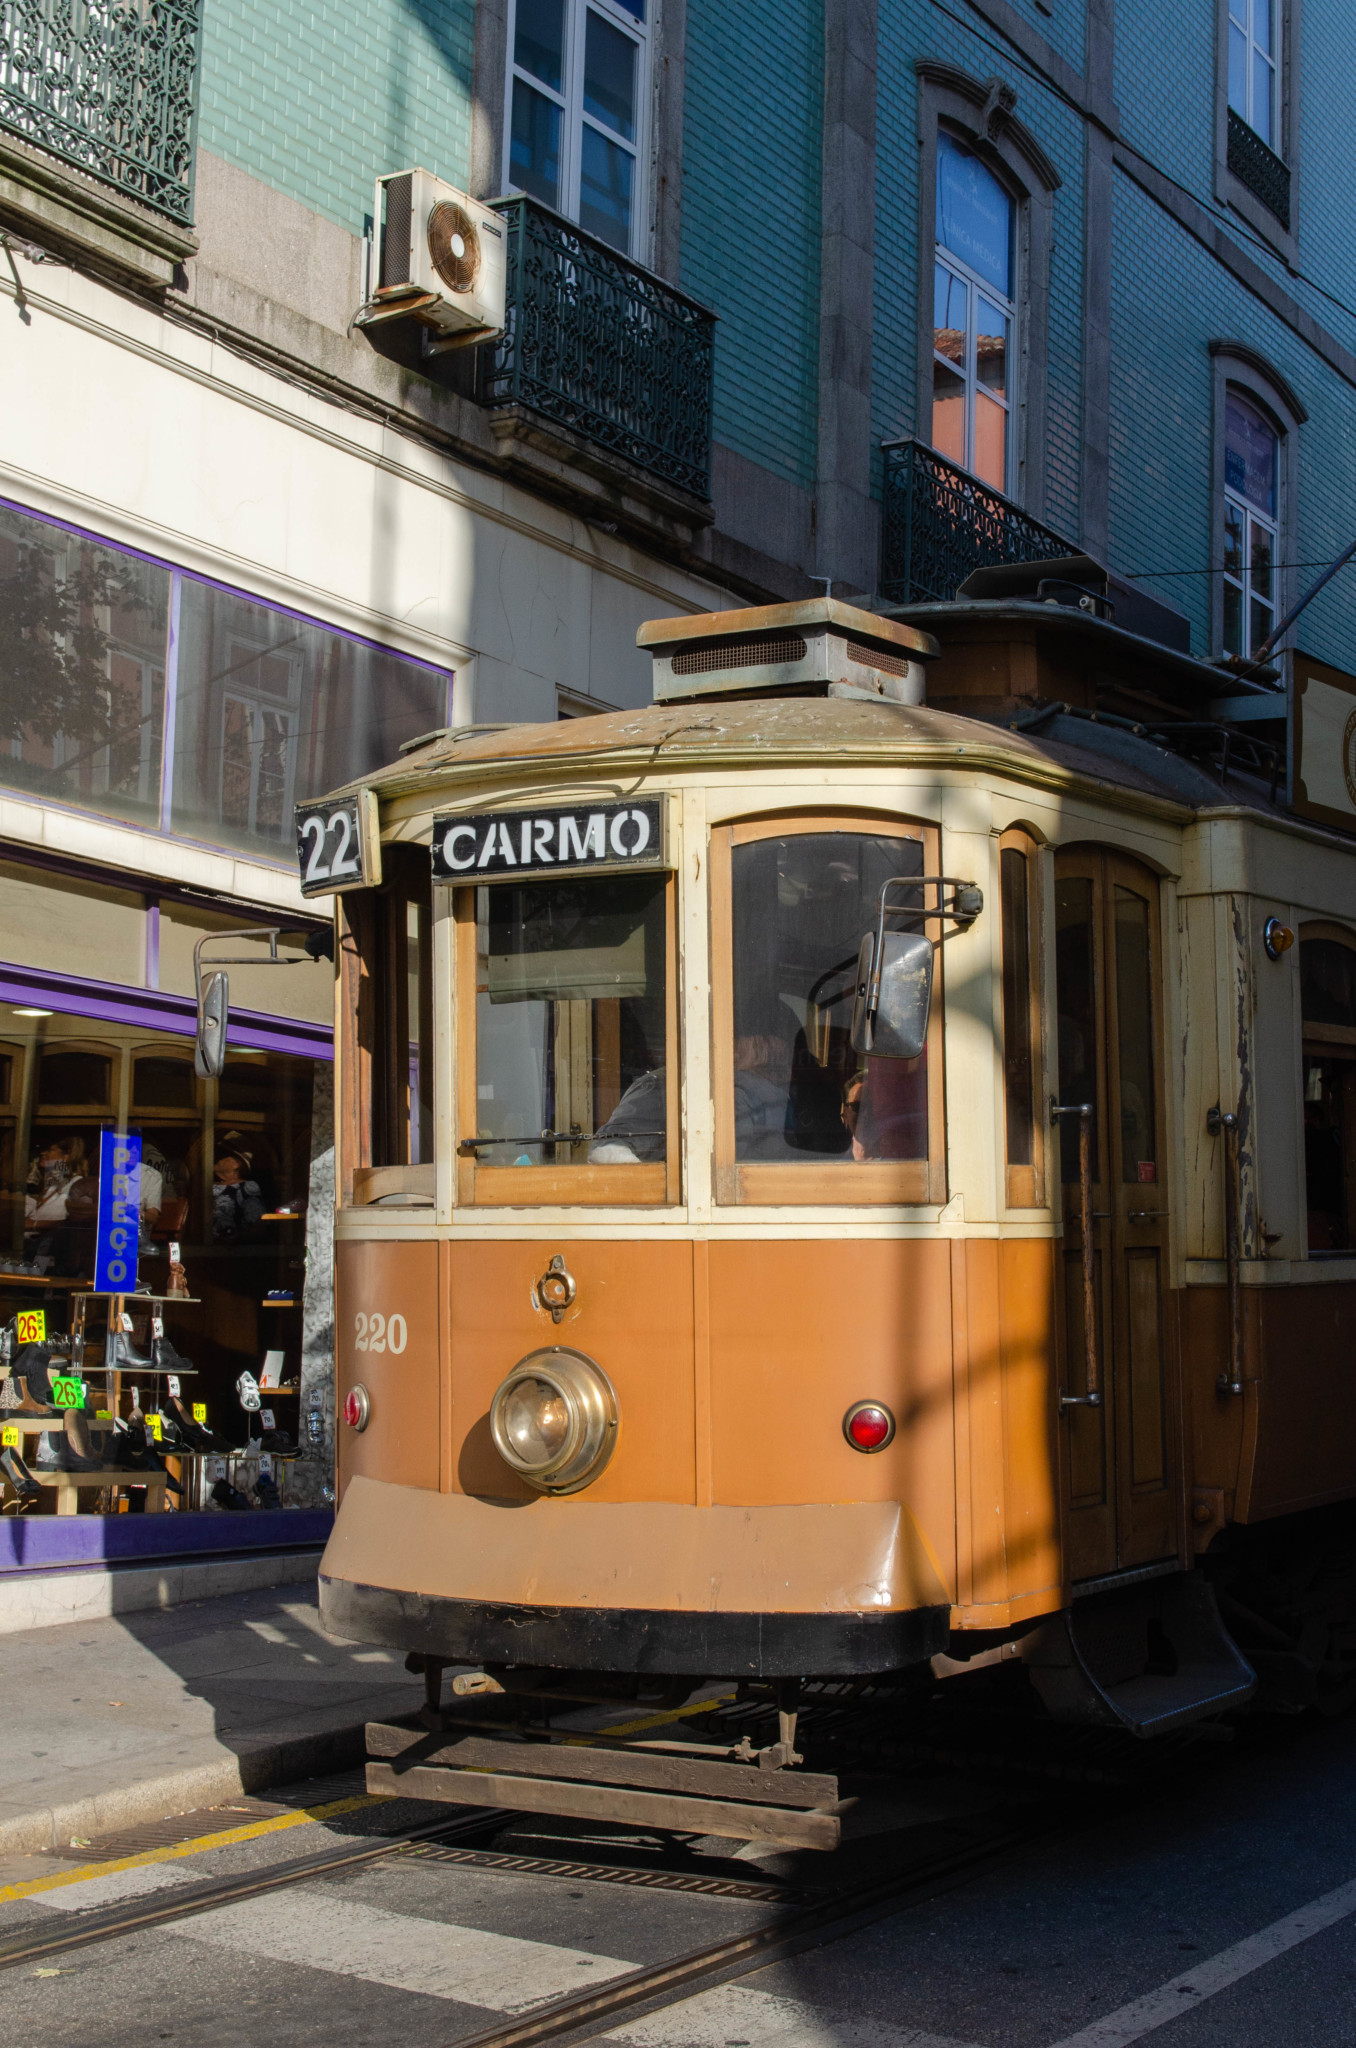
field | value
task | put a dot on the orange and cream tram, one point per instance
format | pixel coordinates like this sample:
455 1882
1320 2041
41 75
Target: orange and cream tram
846 1171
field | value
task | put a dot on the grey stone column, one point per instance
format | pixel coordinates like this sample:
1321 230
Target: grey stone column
846 518
311 1479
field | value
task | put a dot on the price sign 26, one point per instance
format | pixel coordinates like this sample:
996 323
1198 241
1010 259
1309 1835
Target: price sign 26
67 1391
30 1326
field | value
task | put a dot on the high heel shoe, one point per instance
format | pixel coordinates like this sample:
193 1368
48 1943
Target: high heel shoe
18 1475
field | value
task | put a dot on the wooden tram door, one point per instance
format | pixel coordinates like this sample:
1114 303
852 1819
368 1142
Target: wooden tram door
1121 1458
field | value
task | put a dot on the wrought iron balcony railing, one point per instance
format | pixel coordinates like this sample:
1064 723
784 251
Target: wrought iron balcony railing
604 348
939 522
1266 176
109 86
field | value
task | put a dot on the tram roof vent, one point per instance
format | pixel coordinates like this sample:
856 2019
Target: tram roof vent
816 648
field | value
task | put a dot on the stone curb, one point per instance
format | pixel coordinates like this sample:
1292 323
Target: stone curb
303 1756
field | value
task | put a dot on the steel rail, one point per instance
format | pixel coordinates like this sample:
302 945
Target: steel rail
136 1917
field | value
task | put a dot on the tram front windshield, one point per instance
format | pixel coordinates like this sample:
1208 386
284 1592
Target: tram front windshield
800 906
570 1010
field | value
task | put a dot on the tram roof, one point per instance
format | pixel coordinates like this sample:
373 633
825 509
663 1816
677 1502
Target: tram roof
786 731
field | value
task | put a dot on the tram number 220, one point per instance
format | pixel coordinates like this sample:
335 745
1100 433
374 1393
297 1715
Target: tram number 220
380 1333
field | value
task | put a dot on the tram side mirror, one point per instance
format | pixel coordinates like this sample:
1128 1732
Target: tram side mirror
894 995
209 1051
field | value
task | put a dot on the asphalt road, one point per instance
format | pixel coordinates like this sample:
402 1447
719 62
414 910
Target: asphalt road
1182 1915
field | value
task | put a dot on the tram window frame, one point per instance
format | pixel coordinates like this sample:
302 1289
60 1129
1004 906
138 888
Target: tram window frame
1024 1181
485 1186
1329 1044
379 1115
775 1183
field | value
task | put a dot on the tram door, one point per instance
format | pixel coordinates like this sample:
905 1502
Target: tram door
1120 1457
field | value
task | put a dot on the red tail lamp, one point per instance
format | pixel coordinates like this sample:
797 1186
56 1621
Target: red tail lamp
869 1426
357 1408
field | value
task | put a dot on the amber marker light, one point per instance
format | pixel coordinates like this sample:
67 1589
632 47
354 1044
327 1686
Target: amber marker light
869 1426
358 1408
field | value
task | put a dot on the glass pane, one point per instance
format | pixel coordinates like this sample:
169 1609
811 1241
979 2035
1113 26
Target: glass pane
1233 541
1263 559
1261 97
948 413
949 316
1261 24
1238 71
1233 619
570 1056
272 710
1018 1079
991 442
605 180
539 40
1329 1149
1135 1038
83 637
800 908
974 214
1250 448
1238 11
1075 969
991 349
1327 982
610 76
634 7
1262 619
534 145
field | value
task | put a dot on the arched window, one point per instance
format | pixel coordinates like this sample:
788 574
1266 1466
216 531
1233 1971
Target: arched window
1252 516
1328 1008
974 292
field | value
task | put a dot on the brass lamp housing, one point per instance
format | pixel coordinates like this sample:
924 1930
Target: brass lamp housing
591 1427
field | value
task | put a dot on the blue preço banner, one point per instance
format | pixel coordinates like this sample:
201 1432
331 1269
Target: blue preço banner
115 1244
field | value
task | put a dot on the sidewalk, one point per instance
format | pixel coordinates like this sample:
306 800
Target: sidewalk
113 1722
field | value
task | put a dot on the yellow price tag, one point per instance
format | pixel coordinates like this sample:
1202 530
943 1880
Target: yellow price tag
30 1326
200 1411
103 1415
11 1438
155 1426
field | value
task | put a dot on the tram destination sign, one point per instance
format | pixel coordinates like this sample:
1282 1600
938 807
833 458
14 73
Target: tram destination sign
570 839
339 844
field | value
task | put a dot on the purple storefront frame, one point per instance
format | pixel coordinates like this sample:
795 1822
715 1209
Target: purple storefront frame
151 1009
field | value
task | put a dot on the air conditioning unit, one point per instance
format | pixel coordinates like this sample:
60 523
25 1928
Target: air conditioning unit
440 260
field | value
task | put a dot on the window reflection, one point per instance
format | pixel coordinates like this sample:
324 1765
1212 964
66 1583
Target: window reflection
972 314
1251 524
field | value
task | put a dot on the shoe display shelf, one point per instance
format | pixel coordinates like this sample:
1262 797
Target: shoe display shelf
68 1486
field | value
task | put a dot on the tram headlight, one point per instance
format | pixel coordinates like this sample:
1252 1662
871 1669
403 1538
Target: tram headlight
554 1420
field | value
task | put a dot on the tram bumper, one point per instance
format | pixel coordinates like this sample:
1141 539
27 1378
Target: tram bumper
646 1586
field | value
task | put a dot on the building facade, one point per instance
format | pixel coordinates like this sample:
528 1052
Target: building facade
827 295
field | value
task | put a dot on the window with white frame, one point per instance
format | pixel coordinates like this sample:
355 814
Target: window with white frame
1252 450
1254 67
577 93
973 300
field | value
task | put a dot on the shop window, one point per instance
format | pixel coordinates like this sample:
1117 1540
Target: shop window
799 1115
244 1084
84 629
1328 1008
159 1083
267 708
74 1080
1021 1021
566 990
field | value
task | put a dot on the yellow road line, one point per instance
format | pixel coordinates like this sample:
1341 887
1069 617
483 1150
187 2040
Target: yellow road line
677 1714
225 1838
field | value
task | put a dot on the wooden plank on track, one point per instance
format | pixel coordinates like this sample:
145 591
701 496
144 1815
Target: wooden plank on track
740 1823
645 1770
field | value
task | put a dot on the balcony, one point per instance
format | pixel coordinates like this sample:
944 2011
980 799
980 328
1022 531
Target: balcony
603 374
939 523
97 101
1259 168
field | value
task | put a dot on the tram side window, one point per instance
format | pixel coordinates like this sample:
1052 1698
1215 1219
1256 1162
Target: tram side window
1328 1007
796 1097
1017 873
389 945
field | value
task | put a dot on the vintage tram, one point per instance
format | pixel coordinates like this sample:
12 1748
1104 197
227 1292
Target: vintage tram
843 1171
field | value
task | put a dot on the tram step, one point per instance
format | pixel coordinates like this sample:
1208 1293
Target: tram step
786 1827
1149 1659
